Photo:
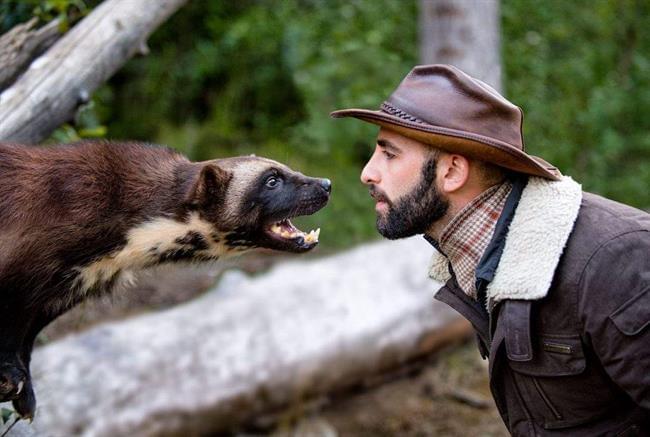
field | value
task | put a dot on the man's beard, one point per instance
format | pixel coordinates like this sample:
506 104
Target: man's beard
413 213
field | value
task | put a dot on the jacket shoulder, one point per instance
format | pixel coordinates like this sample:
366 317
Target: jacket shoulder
602 225
599 222
606 255
609 218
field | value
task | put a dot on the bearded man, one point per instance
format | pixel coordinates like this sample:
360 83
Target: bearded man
555 281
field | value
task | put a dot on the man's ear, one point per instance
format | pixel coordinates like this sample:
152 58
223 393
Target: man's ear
454 172
210 186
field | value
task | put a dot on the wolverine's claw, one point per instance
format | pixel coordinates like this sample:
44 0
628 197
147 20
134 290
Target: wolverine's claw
11 381
16 386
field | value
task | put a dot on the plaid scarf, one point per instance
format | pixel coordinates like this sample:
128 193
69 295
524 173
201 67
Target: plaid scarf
468 234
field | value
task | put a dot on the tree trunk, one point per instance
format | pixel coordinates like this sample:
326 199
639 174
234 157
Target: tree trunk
464 33
56 83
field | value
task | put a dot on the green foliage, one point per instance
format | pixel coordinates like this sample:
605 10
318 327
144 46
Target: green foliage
13 12
581 72
250 71
6 414
86 124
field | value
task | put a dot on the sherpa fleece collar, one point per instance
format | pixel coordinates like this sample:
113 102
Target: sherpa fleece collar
540 228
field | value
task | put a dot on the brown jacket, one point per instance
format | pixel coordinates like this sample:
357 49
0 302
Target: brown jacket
569 350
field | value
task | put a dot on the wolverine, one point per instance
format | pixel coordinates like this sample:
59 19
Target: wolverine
78 220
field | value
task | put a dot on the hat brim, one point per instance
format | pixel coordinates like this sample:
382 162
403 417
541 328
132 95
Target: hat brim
464 143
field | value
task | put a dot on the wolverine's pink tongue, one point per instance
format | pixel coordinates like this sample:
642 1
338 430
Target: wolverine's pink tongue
286 229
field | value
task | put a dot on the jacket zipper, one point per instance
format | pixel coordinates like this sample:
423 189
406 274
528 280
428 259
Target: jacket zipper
529 417
546 400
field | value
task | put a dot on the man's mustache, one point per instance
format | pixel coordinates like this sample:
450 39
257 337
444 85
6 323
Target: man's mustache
379 195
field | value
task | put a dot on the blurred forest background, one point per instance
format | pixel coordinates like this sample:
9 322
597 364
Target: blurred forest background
261 76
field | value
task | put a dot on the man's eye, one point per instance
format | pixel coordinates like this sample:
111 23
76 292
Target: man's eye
388 155
272 182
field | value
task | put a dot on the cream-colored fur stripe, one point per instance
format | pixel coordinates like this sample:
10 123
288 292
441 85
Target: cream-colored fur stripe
160 233
538 233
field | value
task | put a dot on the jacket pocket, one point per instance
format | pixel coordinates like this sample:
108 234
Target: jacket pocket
555 385
633 316
554 356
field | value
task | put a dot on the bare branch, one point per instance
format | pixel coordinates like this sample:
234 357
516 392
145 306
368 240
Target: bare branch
56 83
21 45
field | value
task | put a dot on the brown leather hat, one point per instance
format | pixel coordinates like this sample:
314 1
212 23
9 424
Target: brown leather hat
442 106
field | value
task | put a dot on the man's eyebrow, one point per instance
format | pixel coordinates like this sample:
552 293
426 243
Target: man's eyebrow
385 144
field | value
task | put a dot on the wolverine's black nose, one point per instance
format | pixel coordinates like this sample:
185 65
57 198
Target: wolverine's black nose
326 184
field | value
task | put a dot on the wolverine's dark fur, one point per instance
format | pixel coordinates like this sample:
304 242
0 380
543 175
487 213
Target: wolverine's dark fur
69 213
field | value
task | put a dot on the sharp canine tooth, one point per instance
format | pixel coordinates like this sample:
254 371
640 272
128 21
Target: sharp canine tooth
312 236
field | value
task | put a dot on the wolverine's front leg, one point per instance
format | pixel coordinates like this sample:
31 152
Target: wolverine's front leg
25 403
13 328
16 385
22 330
17 333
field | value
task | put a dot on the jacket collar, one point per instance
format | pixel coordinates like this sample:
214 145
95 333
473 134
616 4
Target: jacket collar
540 227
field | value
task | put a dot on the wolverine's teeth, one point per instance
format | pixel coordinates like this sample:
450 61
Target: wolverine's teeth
312 236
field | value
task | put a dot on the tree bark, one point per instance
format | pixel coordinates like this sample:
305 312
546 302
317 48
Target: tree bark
21 45
64 77
464 33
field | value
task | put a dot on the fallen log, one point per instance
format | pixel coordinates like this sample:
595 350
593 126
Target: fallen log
252 345
56 83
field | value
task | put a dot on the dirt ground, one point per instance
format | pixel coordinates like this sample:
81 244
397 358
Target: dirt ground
448 397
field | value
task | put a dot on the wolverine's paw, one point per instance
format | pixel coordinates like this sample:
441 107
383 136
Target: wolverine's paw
12 381
25 403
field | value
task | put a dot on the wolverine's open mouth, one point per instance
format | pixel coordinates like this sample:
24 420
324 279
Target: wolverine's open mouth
285 233
297 197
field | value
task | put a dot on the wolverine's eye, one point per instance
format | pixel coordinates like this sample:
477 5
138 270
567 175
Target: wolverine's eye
272 182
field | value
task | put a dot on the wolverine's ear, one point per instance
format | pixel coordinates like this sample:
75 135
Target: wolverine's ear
210 186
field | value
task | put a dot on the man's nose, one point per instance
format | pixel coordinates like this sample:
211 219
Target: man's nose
369 175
